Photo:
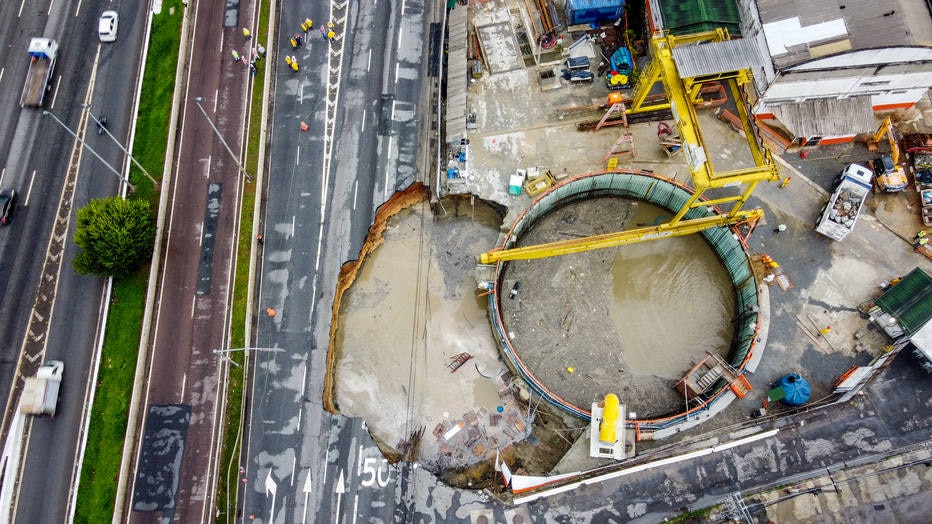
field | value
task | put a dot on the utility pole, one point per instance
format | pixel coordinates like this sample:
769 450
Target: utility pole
198 100
103 127
84 144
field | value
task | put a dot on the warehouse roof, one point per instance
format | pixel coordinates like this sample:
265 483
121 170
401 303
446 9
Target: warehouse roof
909 301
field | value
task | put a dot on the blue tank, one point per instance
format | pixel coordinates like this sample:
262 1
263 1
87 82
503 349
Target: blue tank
796 389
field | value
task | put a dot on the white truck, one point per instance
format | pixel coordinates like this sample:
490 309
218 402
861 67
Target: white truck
839 214
42 54
40 393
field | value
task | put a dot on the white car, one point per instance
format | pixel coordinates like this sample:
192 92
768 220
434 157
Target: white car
107 29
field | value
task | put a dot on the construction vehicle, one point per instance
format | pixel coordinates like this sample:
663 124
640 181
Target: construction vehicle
889 175
621 64
40 393
683 90
42 52
839 214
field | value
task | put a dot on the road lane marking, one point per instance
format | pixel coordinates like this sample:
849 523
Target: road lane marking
32 180
355 507
396 71
323 478
297 155
388 168
355 192
303 385
193 305
184 384
401 35
2 71
369 61
21 6
294 462
58 84
363 127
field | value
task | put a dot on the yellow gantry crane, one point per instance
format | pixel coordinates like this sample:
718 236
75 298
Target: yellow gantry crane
706 57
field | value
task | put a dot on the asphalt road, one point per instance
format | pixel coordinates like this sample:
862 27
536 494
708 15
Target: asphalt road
183 399
324 186
64 319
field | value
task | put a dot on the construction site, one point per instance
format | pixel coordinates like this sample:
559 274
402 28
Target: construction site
608 218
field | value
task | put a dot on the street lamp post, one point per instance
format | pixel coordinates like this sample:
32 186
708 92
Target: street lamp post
84 144
198 100
100 125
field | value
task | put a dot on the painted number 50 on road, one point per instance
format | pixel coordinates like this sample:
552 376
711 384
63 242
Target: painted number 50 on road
372 471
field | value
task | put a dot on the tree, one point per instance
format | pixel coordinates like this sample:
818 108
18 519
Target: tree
116 236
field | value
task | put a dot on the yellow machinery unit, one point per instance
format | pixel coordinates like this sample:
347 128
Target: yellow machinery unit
683 90
889 175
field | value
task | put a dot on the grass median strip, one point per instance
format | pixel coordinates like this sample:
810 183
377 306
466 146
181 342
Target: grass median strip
107 431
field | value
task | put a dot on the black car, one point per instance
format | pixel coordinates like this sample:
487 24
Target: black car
7 203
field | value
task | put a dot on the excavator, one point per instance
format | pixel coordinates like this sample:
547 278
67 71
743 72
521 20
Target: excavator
889 175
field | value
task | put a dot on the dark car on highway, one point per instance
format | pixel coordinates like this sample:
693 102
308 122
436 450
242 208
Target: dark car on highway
7 203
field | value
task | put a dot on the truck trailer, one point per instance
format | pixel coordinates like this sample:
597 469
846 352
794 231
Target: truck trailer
40 393
42 55
843 208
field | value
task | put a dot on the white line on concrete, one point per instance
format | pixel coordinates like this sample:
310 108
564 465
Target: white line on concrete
644 467
323 477
32 180
359 462
304 382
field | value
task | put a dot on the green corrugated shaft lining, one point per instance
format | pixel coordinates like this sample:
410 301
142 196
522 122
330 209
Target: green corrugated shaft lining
666 194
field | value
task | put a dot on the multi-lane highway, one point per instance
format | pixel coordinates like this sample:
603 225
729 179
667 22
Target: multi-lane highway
47 311
362 99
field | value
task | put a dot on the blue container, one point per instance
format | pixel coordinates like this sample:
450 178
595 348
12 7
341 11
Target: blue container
796 389
593 11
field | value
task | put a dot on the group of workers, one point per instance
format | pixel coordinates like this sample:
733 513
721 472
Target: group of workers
327 31
920 240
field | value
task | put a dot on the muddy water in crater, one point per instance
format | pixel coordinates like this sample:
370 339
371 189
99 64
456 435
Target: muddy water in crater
671 298
413 307
629 320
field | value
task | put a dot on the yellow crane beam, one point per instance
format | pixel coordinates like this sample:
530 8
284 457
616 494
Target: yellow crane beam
631 236
682 94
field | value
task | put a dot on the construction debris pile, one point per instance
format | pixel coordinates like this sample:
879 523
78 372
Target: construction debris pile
846 208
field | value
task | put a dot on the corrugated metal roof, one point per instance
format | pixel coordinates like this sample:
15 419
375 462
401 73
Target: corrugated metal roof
909 301
827 116
715 57
886 55
696 16
456 74
799 27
